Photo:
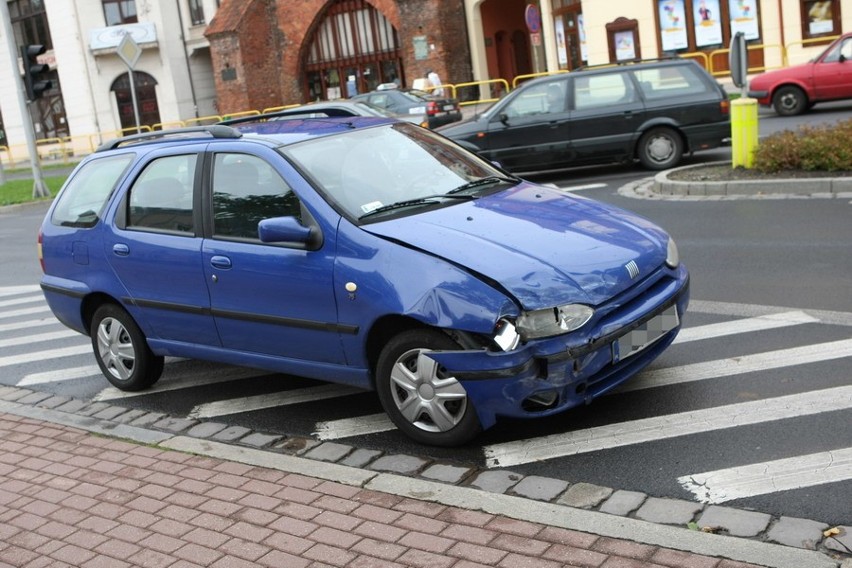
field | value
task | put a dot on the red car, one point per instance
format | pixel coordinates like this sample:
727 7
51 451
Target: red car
794 90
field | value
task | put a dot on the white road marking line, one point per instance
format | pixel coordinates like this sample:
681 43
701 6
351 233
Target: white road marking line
44 355
769 477
30 339
199 378
665 427
19 301
24 312
60 375
50 320
357 426
271 400
16 290
746 325
571 188
739 365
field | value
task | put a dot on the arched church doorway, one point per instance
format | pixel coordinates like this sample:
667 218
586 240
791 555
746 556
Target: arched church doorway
353 49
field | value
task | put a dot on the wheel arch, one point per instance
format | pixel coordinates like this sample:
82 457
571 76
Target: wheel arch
90 305
382 331
662 122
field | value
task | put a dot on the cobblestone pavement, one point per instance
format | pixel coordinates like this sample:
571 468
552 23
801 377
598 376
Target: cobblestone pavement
71 498
84 488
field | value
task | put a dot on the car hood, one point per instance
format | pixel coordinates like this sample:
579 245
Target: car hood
539 244
801 72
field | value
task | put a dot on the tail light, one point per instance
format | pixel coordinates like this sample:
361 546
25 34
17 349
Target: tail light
431 108
40 253
725 106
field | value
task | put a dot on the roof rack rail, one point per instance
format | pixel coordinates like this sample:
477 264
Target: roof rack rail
256 117
214 130
669 57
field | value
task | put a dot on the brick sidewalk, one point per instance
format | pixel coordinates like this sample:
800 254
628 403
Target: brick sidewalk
71 498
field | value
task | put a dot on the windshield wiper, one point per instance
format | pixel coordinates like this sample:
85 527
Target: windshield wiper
489 180
425 200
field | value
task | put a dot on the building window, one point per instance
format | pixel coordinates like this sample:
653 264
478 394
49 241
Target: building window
117 12
820 19
29 22
196 12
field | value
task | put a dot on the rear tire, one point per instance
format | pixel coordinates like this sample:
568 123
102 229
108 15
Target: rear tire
790 101
122 351
418 395
660 148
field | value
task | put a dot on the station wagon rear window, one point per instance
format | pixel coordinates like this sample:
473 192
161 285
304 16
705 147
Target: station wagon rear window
81 202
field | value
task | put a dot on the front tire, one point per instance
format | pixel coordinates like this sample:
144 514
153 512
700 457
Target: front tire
418 395
790 101
121 350
660 148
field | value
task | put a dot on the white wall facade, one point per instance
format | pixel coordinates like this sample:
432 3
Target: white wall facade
180 69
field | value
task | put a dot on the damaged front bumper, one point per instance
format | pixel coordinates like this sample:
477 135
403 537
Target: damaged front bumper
548 376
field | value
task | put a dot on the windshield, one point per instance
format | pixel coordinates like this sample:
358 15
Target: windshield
372 168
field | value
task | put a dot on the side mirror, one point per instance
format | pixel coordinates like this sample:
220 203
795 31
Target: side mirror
504 118
284 230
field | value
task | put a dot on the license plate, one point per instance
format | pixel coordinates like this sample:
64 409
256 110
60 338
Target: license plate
449 107
645 335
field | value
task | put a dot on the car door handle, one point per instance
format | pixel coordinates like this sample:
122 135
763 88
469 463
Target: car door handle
222 262
121 249
628 114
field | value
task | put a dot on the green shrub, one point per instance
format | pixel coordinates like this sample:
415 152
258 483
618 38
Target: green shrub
811 148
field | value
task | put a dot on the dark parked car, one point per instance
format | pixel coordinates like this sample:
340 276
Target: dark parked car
336 108
438 110
795 89
363 251
651 111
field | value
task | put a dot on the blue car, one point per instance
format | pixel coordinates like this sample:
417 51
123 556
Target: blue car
363 251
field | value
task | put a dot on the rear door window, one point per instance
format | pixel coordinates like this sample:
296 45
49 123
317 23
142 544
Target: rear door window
161 197
81 203
603 90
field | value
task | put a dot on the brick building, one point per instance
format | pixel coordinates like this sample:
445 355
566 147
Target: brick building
267 53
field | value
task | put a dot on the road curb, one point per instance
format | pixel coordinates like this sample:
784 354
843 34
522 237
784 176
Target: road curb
283 454
661 186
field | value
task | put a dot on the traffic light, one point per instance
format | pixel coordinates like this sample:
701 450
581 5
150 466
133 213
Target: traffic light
35 73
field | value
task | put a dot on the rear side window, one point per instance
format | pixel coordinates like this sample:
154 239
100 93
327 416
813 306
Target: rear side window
672 81
161 197
84 198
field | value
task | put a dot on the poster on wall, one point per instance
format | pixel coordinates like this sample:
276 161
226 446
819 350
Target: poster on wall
673 25
708 27
561 48
820 17
744 18
584 54
624 46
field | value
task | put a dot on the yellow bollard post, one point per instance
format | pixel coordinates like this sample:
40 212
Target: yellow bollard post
743 132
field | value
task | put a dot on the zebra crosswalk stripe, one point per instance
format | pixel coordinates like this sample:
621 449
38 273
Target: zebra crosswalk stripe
745 325
723 485
271 400
667 426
